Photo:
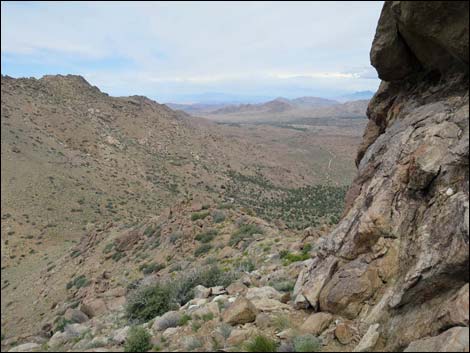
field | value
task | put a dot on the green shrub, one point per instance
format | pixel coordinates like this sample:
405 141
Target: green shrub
107 249
207 317
151 268
199 215
118 255
184 320
195 326
150 301
307 343
78 282
282 285
60 323
147 302
207 236
261 344
290 258
246 265
281 322
245 231
203 249
218 216
138 340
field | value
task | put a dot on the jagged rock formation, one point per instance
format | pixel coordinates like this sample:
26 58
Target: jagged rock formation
398 262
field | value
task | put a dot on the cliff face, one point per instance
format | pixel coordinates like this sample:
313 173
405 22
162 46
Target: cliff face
398 262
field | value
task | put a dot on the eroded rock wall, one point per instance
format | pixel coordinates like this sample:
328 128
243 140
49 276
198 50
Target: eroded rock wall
401 251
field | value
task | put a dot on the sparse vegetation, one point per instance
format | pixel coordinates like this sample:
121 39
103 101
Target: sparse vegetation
207 236
149 268
261 344
138 340
218 216
307 343
199 215
203 249
78 282
244 232
149 301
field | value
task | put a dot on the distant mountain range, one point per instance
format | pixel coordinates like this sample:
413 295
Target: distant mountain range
281 109
224 105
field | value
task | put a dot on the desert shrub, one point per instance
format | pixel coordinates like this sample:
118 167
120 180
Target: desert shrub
261 344
146 302
195 326
152 230
225 330
203 249
281 322
307 343
289 258
175 236
207 236
150 301
107 249
138 340
184 320
60 323
207 317
193 343
118 255
218 216
208 277
282 285
199 215
151 268
245 231
246 265
78 282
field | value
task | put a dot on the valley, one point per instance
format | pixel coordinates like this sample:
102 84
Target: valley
75 160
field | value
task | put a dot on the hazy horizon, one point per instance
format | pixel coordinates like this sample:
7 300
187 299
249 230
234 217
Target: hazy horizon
185 52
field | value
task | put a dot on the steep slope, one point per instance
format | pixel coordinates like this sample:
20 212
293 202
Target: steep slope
398 262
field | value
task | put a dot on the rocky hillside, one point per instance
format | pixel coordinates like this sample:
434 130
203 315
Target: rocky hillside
207 275
396 267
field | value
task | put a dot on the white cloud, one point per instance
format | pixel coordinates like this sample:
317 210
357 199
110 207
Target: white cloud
196 43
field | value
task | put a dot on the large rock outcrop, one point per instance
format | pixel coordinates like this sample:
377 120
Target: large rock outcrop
401 251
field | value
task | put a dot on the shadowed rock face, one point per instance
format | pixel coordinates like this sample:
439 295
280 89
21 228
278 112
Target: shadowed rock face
402 247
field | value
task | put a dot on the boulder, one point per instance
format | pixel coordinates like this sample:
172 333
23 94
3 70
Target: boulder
266 304
218 290
26 347
241 311
345 332
350 288
455 313
239 336
237 288
93 307
119 336
390 54
316 323
201 292
369 340
263 293
75 316
312 279
452 340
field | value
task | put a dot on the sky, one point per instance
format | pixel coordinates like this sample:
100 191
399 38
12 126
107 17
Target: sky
188 52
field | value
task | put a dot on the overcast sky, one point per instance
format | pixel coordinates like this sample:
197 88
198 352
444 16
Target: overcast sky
181 51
